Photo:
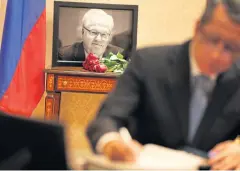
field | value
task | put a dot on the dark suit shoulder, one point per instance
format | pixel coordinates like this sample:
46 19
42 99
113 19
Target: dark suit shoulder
160 53
113 49
159 58
71 52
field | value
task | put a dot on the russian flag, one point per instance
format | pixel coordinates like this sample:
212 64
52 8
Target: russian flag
22 56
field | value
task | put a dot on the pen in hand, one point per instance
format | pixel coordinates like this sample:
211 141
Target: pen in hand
125 135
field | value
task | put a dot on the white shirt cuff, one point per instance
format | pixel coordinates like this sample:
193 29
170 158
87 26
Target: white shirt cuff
106 138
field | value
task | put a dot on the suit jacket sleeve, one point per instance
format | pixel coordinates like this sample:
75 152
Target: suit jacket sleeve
119 104
66 53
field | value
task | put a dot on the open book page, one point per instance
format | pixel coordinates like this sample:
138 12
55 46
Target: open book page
92 161
158 157
152 157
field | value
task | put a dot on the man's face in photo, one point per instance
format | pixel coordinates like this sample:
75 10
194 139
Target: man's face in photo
96 38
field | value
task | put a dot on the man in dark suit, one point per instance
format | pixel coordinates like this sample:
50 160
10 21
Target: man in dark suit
76 52
97 27
180 95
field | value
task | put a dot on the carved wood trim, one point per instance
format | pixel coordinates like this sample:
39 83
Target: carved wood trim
50 82
85 84
52 106
49 108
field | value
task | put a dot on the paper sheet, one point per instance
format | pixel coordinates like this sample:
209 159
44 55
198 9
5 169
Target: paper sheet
158 157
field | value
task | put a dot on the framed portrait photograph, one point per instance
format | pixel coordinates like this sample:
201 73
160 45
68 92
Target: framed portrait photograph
83 28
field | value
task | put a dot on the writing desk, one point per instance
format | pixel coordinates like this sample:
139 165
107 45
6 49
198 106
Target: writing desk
73 79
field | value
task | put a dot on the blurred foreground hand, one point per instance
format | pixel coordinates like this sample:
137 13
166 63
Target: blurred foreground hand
118 150
225 156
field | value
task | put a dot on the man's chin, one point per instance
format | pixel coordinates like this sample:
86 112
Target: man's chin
97 54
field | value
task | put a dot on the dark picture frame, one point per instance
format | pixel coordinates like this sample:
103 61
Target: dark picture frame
58 42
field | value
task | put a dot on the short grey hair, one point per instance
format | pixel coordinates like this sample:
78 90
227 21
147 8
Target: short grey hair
97 16
232 6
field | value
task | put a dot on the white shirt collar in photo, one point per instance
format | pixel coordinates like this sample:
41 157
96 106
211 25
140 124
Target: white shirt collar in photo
86 54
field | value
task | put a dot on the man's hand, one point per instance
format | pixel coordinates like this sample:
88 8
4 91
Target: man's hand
118 150
226 156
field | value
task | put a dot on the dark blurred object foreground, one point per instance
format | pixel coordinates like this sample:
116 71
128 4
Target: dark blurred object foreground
32 145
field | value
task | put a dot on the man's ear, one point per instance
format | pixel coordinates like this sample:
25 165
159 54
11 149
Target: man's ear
79 33
82 30
110 38
197 26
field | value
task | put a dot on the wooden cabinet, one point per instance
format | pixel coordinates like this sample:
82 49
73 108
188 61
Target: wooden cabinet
73 79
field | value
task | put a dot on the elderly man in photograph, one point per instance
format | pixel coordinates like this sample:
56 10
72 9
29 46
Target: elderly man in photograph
178 96
97 27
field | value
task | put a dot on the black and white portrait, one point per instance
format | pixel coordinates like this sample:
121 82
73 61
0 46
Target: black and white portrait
83 30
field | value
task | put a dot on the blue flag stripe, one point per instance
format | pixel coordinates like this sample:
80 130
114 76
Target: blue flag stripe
21 16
